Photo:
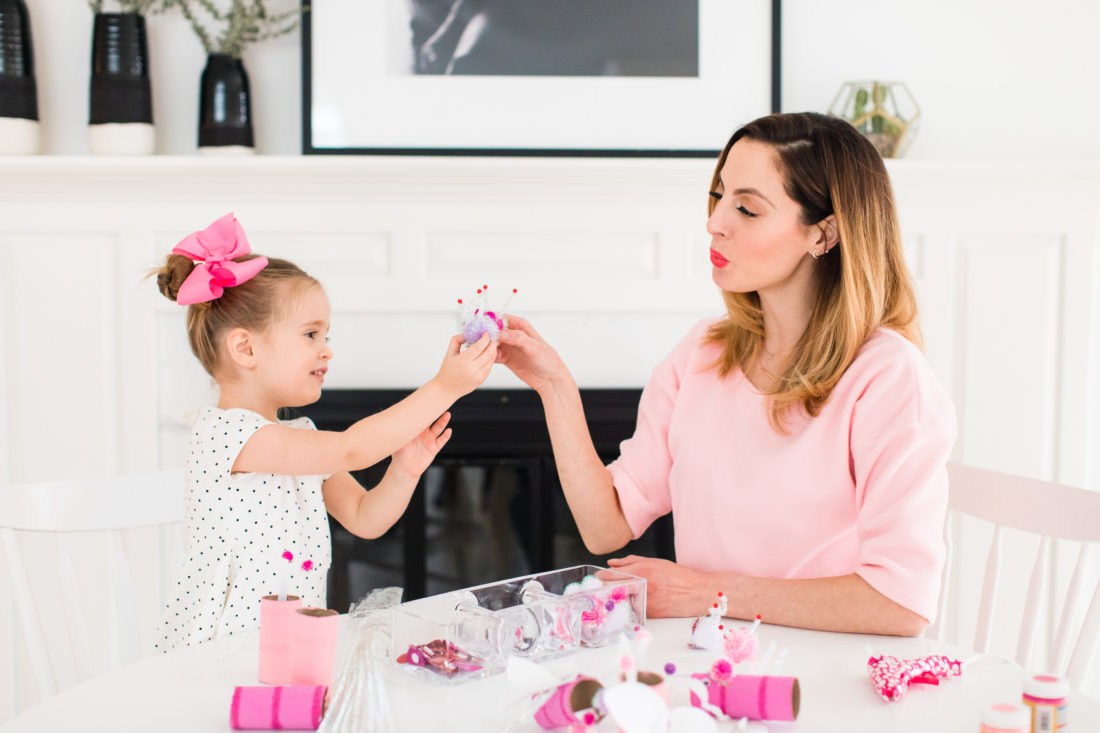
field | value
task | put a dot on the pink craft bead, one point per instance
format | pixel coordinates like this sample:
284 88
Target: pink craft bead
276 646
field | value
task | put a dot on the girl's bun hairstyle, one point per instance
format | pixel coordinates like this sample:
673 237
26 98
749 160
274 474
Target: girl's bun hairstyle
171 276
253 304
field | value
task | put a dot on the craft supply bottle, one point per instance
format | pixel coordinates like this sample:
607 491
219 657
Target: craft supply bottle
1047 697
1006 718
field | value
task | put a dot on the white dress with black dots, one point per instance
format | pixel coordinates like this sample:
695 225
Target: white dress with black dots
236 528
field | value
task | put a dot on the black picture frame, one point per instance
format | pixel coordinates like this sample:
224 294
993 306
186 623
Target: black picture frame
311 135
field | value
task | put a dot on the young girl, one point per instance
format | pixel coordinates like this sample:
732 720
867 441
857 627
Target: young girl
257 486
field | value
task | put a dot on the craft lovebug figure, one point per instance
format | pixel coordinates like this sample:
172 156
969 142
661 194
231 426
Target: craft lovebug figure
476 318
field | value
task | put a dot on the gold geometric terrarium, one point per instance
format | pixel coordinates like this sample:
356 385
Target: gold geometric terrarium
884 111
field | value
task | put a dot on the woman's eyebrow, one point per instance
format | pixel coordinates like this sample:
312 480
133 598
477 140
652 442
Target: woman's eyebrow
755 192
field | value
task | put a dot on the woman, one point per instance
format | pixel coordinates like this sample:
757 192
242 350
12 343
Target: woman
800 441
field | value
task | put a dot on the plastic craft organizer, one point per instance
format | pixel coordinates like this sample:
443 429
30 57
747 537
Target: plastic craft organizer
470 633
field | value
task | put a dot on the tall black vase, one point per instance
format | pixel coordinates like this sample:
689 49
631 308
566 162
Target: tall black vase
120 109
225 106
18 91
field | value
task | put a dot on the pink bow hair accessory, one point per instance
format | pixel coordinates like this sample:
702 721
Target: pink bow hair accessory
891 676
215 248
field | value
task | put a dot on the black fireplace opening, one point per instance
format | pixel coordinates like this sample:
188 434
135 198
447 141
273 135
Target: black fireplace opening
490 507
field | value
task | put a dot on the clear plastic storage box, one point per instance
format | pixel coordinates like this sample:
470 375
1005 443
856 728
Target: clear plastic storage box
470 633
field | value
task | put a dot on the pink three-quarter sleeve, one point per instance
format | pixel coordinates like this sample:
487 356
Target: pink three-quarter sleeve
641 473
902 430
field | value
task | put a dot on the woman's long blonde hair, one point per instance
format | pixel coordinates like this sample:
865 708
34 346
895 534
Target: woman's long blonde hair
863 283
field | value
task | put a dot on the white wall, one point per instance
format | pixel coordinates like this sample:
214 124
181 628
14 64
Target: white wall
995 79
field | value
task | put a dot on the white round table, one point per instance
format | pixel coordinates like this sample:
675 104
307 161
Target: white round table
189 690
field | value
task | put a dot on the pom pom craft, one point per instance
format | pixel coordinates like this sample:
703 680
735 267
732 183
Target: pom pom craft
478 318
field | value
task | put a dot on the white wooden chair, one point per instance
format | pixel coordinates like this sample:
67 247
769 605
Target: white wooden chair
1054 512
104 507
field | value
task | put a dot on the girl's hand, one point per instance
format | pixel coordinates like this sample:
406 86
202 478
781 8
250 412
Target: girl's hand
463 371
414 457
528 355
671 589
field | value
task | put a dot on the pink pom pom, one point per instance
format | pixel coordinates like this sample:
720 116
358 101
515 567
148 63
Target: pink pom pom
722 670
288 555
740 645
307 565
626 664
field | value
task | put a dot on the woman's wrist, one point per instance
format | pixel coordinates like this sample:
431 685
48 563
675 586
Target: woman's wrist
557 386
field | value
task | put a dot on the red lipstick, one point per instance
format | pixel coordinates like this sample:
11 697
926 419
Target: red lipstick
718 260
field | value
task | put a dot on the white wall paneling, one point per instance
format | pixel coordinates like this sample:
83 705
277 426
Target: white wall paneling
609 257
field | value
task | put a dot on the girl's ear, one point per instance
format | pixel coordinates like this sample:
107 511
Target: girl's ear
239 345
829 232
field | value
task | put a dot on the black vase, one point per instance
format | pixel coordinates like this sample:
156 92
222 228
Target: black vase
225 104
120 93
18 92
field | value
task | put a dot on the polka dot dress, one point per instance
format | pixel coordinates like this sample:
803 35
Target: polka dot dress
236 528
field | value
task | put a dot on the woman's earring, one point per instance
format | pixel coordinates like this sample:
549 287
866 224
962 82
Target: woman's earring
814 254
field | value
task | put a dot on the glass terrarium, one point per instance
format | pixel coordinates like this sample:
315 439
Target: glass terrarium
470 633
884 111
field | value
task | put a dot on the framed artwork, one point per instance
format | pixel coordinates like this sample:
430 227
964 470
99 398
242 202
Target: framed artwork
641 78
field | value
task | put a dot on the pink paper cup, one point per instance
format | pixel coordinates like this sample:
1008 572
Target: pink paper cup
313 632
276 642
292 707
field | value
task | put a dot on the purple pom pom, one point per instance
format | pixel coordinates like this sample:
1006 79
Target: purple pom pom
670 668
610 605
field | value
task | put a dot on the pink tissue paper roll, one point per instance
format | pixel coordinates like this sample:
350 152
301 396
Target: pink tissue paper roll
290 707
313 632
276 641
754 697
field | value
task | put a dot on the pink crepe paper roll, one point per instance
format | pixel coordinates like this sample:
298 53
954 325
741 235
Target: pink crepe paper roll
754 697
569 699
276 642
291 707
313 631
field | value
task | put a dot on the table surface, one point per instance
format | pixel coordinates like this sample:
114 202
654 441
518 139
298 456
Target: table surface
189 690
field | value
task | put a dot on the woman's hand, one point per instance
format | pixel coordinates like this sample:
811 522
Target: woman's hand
463 371
414 457
528 355
671 589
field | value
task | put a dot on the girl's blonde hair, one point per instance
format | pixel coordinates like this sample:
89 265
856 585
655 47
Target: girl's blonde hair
252 305
828 168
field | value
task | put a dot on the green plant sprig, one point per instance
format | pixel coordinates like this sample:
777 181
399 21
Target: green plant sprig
231 30
125 6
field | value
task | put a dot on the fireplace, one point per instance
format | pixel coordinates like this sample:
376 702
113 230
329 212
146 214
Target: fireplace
491 505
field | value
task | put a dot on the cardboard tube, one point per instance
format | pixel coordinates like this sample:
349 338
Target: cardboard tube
275 638
291 707
313 631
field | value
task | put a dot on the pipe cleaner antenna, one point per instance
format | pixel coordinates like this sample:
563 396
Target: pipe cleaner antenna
478 317
284 574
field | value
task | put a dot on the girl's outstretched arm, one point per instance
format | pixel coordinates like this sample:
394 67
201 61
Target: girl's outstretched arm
369 514
290 451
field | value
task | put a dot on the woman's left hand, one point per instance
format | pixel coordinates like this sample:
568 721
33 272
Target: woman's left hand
671 589
414 457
